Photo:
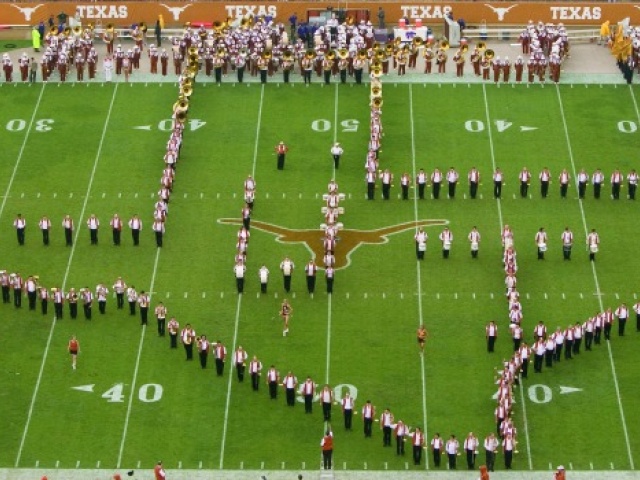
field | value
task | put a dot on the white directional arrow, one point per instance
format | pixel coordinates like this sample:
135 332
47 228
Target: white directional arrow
84 388
569 389
195 124
143 127
524 128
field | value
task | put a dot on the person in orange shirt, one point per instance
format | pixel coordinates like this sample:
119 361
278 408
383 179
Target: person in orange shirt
560 474
74 348
159 472
327 449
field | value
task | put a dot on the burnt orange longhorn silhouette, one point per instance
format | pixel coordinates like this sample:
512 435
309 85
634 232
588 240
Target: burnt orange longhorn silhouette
348 239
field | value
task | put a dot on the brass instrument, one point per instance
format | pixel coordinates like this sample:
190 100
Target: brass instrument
194 60
397 41
181 106
464 49
311 54
375 46
245 23
380 54
444 44
351 21
218 26
110 28
417 41
187 82
244 52
376 92
376 64
389 49
53 31
221 52
77 30
481 46
288 55
331 55
343 53
67 32
377 103
193 50
376 72
181 117
91 26
489 54
267 55
187 90
362 54
143 27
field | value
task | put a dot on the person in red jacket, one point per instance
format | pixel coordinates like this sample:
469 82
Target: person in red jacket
327 449
159 472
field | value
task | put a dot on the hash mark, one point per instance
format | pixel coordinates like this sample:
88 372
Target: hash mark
38 463
581 295
204 294
571 465
120 195
304 465
347 295
284 195
185 195
136 195
221 294
241 465
611 465
186 294
591 465
282 465
104 195
563 296
365 465
201 195
299 195
401 296
217 196
293 294
491 294
261 463
438 296
528 296
617 297
384 295
22 195
545 296
473 295
455 295
365 295
386 466
168 293
38 196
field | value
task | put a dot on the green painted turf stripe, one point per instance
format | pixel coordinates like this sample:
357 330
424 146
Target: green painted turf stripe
418 277
66 273
22 147
635 103
137 365
499 204
237 317
596 282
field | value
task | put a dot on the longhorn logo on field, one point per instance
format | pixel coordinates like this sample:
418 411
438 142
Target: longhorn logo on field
500 11
27 11
348 239
176 11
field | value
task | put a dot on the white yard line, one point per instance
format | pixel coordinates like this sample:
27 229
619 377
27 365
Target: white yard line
21 152
225 425
635 103
596 282
418 274
499 203
137 365
64 280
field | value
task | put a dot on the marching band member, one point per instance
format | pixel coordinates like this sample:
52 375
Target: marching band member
188 337
541 242
519 68
475 60
446 237
174 327
116 228
281 151
421 181
161 316
632 183
593 243
20 225
255 369
132 299
58 300
496 66
87 302
474 240
386 177
93 224
441 60
101 296
45 226
285 312
506 69
143 302
436 182
119 288
135 224
485 65
459 60
452 180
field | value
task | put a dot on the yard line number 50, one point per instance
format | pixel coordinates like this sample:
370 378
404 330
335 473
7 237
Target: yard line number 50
147 393
323 125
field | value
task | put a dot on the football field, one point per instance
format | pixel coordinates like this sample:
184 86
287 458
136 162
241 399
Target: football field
98 149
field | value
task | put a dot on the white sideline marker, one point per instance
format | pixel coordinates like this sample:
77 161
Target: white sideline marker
98 464
282 466
200 465
384 295
612 466
365 465
138 464
241 465
527 296
438 296
38 463
185 195
119 194
365 295
78 464
136 195
58 464
180 464
261 465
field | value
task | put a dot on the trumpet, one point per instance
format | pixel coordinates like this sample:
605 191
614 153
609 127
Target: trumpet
489 54
245 23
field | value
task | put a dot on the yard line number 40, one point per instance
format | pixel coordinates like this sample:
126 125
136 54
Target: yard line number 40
147 393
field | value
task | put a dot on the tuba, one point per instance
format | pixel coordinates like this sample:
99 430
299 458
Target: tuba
417 41
444 44
464 49
376 103
481 46
331 55
187 90
77 31
489 54
288 55
311 54
376 92
343 53
193 50
376 72
143 27
362 54
389 49
67 32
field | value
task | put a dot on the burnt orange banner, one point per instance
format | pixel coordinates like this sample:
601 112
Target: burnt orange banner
176 14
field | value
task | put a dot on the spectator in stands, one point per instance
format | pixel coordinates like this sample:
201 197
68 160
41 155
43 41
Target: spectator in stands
293 22
381 18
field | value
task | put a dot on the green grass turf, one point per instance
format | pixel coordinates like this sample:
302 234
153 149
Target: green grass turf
9 45
365 335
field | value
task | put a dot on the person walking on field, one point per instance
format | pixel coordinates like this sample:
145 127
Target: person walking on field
327 449
74 348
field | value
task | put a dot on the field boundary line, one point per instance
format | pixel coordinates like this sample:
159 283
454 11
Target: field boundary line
137 365
64 280
499 203
225 425
21 152
425 418
596 282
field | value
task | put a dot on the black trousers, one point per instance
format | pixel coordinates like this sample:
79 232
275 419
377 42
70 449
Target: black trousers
6 295
311 283
452 461
188 350
255 381
17 297
306 75
203 358
285 75
368 424
329 284
597 187
537 363
87 311
326 459
405 192
58 311
93 233
327 77
544 189
73 309
490 460
336 161
116 236
102 307
135 234
524 189
400 444
281 161
632 191
20 234
421 190
386 190
371 190
240 367
308 403
386 436
452 189
491 342
143 315
417 454
497 189
473 189
44 306
437 455
508 458
263 76
588 340
161 326
563 190
219 366
45 236
217 72
173 337
287 283
348 416
326 411
436 190
240 284
358 75
240 72
577 342
33 298
582 188
273 390
615 191
291 397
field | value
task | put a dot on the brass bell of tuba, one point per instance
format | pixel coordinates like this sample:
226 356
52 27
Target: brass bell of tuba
489 54
444 44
